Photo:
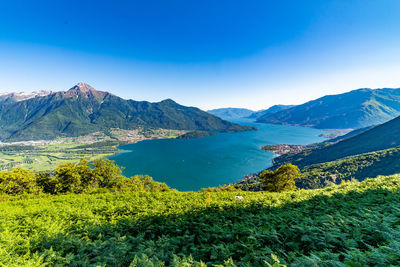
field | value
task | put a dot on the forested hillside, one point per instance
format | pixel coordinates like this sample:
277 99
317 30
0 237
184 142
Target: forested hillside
381 137
83 110
352 110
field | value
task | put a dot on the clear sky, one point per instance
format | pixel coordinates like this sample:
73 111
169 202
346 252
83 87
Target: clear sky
208 53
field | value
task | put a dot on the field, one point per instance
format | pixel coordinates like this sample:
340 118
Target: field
45 155
354 224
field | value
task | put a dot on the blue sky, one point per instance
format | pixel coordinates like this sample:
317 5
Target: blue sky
202 53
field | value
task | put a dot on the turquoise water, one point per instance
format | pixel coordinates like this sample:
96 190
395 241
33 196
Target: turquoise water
191 164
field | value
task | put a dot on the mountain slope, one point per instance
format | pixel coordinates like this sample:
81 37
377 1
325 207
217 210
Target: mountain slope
273 109
384 136
360 167
349 134
82 110
15 97
355 224
231 113
355 109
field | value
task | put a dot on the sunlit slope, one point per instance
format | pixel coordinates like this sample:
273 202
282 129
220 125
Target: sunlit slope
83 110
354 224
355 109
381 137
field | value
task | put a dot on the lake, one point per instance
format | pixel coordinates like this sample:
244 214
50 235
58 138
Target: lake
191 164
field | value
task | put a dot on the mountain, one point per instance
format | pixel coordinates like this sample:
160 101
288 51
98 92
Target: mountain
82 110
360 167
15 97
355 109
231 113
384 136
362 153
273 109
349 134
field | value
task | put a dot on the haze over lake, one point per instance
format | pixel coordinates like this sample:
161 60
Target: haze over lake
191 164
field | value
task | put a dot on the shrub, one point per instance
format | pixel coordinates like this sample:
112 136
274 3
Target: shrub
283 179
224 188
101 175
18 181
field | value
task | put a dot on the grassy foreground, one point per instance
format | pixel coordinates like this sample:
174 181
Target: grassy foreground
354 224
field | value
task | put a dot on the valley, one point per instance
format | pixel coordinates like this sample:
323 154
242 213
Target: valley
45 155
199 133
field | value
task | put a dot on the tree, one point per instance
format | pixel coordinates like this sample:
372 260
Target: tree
106 173
18 181
47 182
74 177
283 179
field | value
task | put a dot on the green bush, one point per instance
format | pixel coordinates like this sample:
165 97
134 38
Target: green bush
224 188
18 181
99 175
140 183
354 224
283 179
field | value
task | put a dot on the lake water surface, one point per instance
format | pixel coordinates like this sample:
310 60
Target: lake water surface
191 164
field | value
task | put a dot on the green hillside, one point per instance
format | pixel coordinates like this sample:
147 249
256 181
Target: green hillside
83 110
362 153
381 137
359 167
355 109
372 164
349 225
349 134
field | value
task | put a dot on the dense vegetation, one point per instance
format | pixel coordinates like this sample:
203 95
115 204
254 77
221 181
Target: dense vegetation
196 134
355 109
282 179
359 167
383 162
100 174
355 224
83 110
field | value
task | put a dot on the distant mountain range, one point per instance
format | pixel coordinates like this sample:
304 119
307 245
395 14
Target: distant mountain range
236 113
271 110
14 97
231 113
82 110
355 109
